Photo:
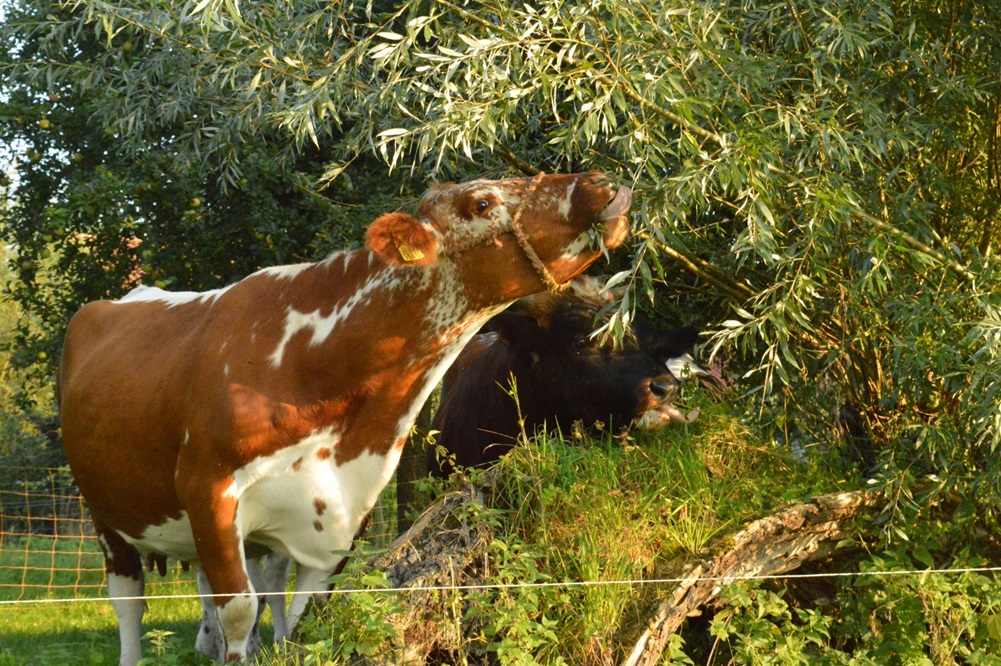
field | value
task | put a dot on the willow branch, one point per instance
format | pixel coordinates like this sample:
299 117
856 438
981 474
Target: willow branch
701 269
958 268
518 163
626 90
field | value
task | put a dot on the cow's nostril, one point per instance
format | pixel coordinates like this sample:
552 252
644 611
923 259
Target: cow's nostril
662 389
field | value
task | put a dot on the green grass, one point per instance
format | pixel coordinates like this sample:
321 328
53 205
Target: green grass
86 632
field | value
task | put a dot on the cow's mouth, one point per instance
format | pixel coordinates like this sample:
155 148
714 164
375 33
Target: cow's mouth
614 222
619 204
662 416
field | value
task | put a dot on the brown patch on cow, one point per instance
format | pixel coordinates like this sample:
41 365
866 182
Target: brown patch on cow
319 505
323 452
264 426
297 465
317 525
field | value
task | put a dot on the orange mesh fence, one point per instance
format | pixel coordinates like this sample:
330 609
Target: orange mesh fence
48 548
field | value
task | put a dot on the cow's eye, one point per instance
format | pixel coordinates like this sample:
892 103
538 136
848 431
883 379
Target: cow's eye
482 205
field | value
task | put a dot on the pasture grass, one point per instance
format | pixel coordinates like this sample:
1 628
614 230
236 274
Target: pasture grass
86 632
64 617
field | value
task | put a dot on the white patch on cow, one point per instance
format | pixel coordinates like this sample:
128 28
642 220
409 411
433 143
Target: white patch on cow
280 496
577 246
129 612
289 272
225 371
321 325
145 294
280 461
564 204
236 618
172 536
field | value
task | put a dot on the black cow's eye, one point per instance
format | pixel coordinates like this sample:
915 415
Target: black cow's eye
482 205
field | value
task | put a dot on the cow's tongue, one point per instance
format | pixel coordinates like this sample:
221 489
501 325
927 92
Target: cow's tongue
619 204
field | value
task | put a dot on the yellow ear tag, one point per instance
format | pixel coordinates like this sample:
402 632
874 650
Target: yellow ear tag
409 252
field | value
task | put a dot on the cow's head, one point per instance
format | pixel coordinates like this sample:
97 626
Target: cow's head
565 222
582 377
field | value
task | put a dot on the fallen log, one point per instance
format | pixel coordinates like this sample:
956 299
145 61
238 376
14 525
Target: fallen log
773 545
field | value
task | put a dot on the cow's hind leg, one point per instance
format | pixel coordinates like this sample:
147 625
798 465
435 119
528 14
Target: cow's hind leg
308 581
275 572
210 640
125 587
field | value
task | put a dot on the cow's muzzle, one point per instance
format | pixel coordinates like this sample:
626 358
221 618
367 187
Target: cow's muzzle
661 393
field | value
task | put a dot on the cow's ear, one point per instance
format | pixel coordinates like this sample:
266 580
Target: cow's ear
401 240
669 344
518 329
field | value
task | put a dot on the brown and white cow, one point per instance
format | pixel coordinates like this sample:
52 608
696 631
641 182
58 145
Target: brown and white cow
268 415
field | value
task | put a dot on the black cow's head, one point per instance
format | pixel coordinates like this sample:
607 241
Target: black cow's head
563 374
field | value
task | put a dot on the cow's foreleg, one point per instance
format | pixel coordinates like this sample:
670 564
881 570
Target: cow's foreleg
125 586
235 606
220 551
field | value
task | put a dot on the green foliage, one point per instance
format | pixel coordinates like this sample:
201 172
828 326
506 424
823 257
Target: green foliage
890 614
91 214
360 623
758 622
819 179
518 624
166 648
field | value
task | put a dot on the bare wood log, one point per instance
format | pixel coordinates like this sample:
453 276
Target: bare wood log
772 545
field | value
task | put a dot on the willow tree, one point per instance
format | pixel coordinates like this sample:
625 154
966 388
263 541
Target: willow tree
817 182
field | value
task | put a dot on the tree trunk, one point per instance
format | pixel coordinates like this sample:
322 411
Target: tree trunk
412 468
